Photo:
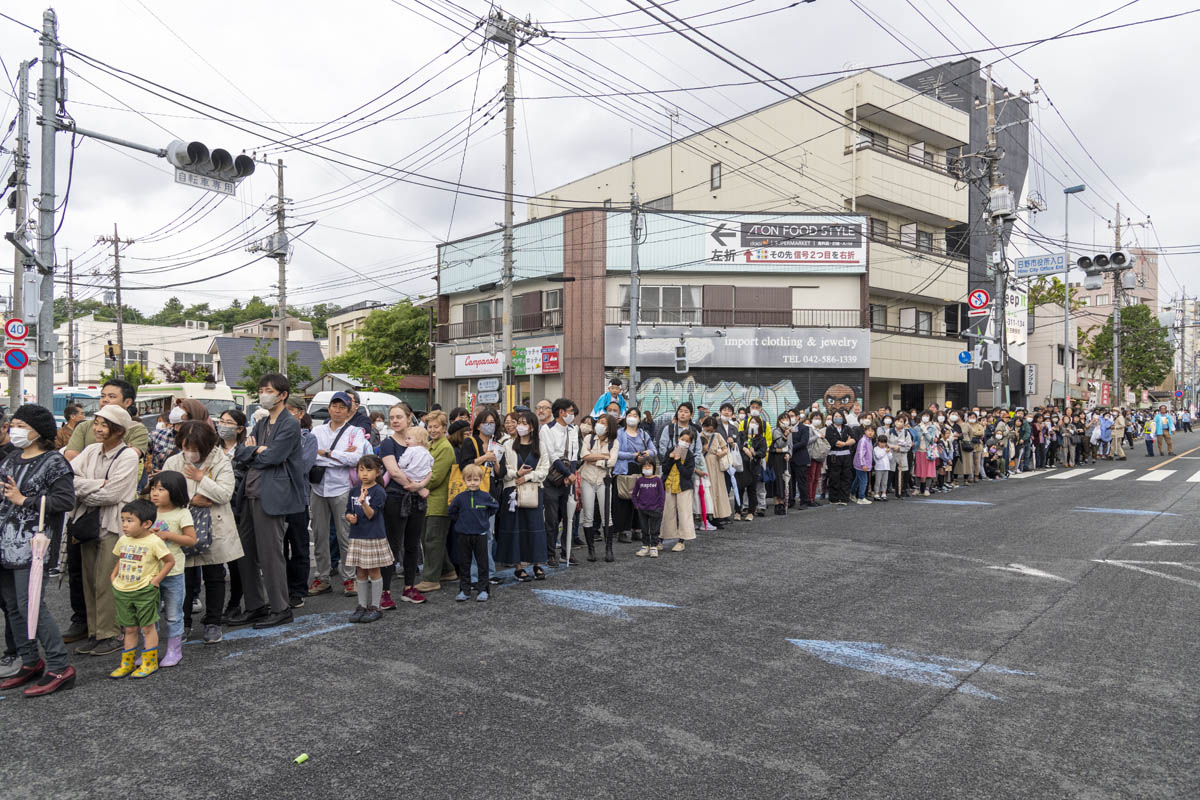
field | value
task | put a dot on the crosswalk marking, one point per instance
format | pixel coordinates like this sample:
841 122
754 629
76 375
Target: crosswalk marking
1195 478
1062 476
1156 477
1111 475
1018 475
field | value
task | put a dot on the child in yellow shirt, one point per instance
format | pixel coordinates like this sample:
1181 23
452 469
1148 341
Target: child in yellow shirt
143 560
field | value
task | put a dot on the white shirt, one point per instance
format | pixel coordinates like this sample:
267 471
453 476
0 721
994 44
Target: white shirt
553 439
341 460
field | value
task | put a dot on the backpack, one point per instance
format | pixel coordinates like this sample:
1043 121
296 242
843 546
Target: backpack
818 447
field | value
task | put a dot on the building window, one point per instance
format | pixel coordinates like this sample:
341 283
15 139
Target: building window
714 176
925 241
139 357
1060 355
483 317
337 343
552 308
1087 301
914 321
1102 300
877 228
662 204
868 138
953 317
925 323
194 359
608 203
908 235
665 305
878 316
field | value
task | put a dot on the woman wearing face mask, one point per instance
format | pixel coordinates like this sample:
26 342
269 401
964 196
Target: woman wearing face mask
521 532
715 449
754 449
231 432
841 447
818 453
598 455
210 484
900 441
969 446
798 467
925 463
634 448
779 455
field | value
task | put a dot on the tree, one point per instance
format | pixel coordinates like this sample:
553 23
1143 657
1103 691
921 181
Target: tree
396 338
260 362
1053 291
355 365
1146 353
187 373
134 373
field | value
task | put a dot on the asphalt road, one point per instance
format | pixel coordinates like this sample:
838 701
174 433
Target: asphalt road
901 650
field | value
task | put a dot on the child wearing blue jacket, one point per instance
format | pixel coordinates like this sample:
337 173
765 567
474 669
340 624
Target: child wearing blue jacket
471 513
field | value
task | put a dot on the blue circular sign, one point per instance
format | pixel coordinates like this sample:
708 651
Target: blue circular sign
15 358
964 357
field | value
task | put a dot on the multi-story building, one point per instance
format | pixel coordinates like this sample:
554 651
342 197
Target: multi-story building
151 346
344 325
862 150
1044 355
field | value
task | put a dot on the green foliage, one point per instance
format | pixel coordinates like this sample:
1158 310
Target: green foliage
355 365
1042 291
260 362
133 373
187 373
1146 353
96 307
174 313
392 343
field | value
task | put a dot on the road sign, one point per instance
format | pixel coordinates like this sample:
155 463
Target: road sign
978 298
964 357
488 397
1040 265
16 358
15 329
488 384
1178 393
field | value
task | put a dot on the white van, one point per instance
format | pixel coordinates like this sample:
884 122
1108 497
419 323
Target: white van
156 398
318 408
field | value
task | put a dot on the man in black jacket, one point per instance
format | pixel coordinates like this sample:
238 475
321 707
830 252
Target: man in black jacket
798 468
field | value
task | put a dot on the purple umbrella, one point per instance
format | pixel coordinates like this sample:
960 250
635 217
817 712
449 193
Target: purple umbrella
37 547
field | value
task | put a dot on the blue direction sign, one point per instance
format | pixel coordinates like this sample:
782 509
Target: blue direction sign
1051 264
964 357
16 358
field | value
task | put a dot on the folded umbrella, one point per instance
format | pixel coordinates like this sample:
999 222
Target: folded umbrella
38 547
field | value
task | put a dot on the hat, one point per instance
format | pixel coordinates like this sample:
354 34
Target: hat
341 397
40 419
297 401
457 426
116 415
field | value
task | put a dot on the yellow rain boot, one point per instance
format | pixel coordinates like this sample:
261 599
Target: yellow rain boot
149 664
126 666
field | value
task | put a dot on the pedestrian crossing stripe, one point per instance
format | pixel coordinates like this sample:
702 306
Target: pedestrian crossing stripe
1111 475
1063 476
1019 475
1156 477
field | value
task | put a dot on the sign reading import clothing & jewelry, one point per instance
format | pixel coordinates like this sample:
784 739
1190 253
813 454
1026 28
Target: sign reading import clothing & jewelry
782 348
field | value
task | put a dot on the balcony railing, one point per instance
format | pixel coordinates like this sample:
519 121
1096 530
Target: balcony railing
928 160
549 319
912 331
725 318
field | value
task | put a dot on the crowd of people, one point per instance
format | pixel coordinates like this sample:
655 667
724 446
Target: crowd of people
257 515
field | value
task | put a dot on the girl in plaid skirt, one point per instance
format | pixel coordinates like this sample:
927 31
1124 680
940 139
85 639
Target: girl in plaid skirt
368 551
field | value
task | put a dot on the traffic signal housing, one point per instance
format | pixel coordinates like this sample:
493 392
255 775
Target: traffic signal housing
196 158
681 359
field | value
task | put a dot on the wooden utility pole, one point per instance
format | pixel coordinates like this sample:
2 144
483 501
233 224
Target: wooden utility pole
116 242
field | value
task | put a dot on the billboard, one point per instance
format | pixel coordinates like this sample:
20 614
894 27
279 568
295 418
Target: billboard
840 348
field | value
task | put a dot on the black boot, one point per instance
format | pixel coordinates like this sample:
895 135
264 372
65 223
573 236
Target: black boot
590 535
780 510
608 544
623 537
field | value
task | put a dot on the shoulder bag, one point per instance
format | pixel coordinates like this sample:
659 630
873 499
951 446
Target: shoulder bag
527 493
725 460
316 473
86 527
202 525
561 469
818 447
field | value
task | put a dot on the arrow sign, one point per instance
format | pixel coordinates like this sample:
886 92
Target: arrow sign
903 664
720 234
599 603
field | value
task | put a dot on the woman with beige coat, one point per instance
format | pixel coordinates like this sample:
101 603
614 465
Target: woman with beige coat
715 449
597 457
210 483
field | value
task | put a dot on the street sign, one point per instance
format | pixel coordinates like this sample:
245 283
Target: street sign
15 329
1030 379
488 385
821 242
964 358
16 358
488 397
1040 265
1178 393
978 298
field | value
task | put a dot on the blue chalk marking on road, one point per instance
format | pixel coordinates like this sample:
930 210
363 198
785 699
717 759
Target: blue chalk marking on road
303 627
1132 511
904 664
599 603
958 502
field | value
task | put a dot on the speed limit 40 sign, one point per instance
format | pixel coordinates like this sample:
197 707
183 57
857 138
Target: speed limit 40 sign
15 329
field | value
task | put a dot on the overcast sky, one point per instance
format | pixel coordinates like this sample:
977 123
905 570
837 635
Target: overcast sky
298 65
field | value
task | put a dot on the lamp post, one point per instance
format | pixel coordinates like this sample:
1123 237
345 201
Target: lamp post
1068 191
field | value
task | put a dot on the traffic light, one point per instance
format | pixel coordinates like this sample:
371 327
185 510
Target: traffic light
111 351
681 359
1095 266
196 158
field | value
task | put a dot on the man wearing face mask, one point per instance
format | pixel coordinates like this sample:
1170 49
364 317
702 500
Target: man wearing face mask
839 462
560 444
756 414
274 488
340 445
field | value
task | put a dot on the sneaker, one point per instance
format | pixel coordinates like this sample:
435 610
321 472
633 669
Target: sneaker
428 586
386 603
411 595
449 576
213 634
106 647
197 606
76 633
357 614
461 596
349 589
9 666
654 552
644 551
296 602
88 645
372 615
319 586
678 548
482 597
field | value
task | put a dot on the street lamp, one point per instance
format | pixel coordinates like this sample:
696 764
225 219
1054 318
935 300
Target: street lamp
1068 191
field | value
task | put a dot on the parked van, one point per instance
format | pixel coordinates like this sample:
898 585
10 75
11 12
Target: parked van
157 398
372 401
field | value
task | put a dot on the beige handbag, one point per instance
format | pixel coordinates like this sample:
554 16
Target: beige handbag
625 484
527 495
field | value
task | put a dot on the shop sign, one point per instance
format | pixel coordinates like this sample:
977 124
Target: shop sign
478 364
762 348
536 360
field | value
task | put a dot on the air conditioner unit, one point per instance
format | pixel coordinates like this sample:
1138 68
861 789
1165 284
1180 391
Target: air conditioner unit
1002 202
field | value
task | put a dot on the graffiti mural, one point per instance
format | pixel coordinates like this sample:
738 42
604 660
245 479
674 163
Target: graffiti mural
661 396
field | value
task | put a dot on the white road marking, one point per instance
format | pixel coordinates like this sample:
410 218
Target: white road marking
1195 478
1162 543
1111 475
1019 475
1157 477
1062 476
1030 571
1135 568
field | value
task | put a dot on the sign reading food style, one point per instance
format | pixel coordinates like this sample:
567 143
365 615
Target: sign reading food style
536 360
812 240
763 348
478 364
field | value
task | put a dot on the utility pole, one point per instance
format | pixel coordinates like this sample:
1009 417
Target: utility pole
996 226
116 242
634 292
1118 390
21 198
71 322
48 95
1067 192
281 258
510 32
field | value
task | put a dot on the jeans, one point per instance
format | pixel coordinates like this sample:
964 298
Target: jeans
213 576
295 547
472 546
858 489
321 508
172 590
651 520
404 536
14 588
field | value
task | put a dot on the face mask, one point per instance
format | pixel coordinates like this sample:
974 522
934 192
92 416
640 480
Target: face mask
488 428
522 430
379 426
941 418
648 472
972 420
160 426
631 422
925 418
839 420
227 432
569 419
954 417
601 430
741 417
753 429
887 420
19 437
727 417
268 401
192 456
754 412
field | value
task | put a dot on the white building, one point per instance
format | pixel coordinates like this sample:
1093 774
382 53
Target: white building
152 346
